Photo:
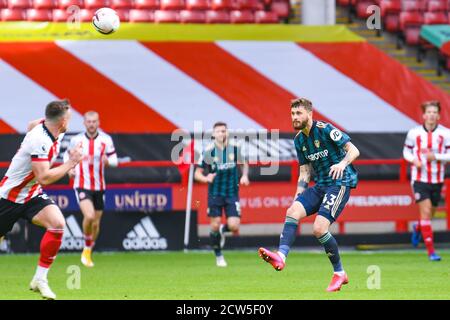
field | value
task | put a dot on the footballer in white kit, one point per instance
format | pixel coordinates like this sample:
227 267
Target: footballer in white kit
427 148
21 194
89 179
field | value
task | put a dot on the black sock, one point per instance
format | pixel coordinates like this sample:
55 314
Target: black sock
215 242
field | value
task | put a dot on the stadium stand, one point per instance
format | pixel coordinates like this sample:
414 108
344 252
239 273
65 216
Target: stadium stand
158 11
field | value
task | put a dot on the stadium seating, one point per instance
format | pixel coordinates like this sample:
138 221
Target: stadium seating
39 15
146 4
229 11
213 16
242 16
166 16
44 4
191 16
60 15
197 4
64 4
172 4
121 4
262 16
136 15
404 17
96 4
222 4
12 15
19 4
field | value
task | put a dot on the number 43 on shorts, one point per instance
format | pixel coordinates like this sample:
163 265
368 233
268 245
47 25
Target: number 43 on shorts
329 200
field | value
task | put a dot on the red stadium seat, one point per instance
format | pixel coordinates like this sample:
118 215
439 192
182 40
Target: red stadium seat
44 4
96 4
121 4
413 5
13 15
280 8
197 4
262 16
390 11
146 4
166 16
244 16
437 5
60 15
188 16
3 4
137 15
39 15
361 8
410 24
172 4
123 14
390 7
64 4
19 4
248 5
86 15
222 4
435 18
410 19
217 16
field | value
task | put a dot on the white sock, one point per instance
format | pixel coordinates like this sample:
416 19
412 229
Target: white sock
340 273
282 256
41 273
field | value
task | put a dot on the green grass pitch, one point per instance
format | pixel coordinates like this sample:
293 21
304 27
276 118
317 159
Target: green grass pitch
193 275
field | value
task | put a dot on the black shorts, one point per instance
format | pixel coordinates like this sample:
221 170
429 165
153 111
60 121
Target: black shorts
97 197
423 191
11 212
216 205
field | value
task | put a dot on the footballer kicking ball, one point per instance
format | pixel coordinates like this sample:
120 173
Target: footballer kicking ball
106 20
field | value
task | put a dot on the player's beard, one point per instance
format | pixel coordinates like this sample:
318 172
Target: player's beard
298 125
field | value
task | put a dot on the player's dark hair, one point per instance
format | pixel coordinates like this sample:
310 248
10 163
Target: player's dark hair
432 103
56 109
220 124
302 102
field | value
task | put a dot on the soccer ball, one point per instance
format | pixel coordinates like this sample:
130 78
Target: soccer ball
106 20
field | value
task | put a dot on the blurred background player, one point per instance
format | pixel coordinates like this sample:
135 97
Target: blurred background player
330 152
426 147
89 179
221 160
21 194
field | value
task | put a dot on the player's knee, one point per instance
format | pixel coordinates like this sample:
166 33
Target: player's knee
290 212
215 226
89 217
233 226
319 230
57 223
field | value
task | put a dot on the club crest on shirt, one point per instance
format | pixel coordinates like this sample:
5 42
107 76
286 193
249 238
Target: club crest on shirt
317 143
304 149
231 157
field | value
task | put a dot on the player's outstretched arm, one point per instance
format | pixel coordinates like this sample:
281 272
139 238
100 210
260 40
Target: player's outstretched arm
200 177
304 178
46 175
337 170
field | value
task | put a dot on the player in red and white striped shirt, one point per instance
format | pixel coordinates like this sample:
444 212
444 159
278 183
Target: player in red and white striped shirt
427 147
21 195
89 179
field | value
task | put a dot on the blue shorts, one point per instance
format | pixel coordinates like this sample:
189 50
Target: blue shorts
217 204
328 201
